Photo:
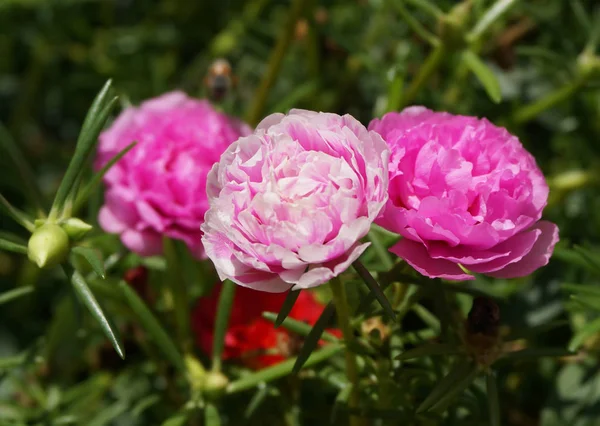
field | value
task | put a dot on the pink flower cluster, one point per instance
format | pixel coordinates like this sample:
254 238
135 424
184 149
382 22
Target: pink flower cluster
286 206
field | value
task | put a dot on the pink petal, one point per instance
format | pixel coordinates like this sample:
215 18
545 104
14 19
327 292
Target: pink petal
144 243
220 250
416 255
464 255
110 222
262 281
537 257
516 248
150 216
320 274
118 213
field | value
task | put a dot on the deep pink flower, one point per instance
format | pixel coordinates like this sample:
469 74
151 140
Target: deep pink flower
289 203
158 189
463 191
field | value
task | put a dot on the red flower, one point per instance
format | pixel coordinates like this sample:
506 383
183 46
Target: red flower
250 338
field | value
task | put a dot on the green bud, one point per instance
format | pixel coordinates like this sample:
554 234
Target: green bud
196 372
48 245
570 180
214 385
75 228
588 64
224 43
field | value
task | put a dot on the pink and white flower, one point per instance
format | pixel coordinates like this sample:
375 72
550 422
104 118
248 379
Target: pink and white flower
289 204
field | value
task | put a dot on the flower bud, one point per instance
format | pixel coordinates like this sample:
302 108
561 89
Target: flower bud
48 245
588 64
196 372
570 180
75 228
214 385
482 331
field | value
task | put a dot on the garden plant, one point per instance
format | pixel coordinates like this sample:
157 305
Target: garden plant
334 212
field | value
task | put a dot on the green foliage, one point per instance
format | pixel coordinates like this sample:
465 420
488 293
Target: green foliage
532 66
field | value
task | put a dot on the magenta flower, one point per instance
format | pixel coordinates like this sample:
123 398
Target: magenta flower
463 192
158 189
289 203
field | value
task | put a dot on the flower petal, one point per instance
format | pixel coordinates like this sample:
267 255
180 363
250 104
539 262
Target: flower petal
145 243
538 256
320 274
416 255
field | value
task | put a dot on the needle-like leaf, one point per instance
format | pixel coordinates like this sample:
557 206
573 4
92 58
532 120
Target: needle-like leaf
93 257
92 126
375 288
95 181
222 321
287 306
88 299
484 74
15 293
312 340
152 326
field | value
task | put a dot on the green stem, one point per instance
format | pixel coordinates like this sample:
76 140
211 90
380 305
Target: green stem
341 306
260 97
453 92
380 249
177 287
16 214
528 112
280 370
386 389
14 247
97 179
221 323
28 178
427 7
416 25
395 93
430 65
495 12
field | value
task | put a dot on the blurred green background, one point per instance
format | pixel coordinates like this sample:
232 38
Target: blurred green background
362 57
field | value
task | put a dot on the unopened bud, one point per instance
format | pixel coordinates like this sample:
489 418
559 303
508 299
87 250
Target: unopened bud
196 372
588 64
482 331
214 385
75 228
569 180
48 245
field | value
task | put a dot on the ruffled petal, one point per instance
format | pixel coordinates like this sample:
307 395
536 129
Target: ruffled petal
416 255
537 257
